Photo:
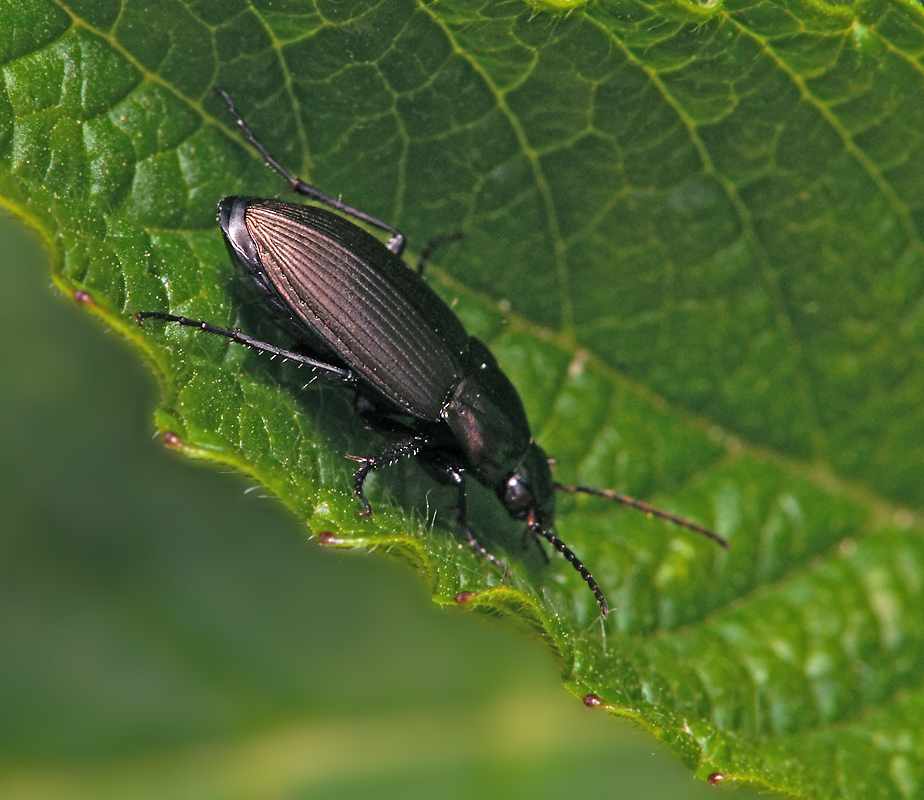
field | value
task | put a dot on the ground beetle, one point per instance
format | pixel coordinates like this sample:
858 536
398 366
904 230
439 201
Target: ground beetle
372 323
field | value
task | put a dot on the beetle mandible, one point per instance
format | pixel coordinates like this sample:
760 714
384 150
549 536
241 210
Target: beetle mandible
372 323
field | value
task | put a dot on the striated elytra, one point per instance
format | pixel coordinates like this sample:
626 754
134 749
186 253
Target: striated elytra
370 322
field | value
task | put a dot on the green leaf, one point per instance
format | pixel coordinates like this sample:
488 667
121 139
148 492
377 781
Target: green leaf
694 242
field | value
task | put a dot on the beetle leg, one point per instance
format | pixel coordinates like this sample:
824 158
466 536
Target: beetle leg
368 464
530 538
329 370
430 246
395 243
453 477
478 547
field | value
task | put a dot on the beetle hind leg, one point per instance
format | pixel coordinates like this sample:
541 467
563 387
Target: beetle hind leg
395 243
330 371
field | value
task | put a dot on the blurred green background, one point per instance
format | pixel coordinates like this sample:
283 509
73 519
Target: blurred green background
166 633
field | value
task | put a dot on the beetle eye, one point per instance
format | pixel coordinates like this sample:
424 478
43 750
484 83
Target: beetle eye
517 494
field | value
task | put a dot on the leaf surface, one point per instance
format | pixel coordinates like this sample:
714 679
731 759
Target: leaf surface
694 242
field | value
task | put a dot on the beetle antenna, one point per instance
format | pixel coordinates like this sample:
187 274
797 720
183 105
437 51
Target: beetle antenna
575 562
680 522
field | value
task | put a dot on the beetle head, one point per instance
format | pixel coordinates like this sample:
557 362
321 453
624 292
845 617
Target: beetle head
528 492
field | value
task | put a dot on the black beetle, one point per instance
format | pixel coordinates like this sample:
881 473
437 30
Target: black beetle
372 323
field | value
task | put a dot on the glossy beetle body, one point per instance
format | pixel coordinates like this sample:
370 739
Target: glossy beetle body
355 304
368 321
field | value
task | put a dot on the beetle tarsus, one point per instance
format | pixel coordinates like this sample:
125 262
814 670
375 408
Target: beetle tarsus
359 478
479 548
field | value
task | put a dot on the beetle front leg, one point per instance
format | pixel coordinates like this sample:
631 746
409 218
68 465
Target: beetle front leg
453 477
530 538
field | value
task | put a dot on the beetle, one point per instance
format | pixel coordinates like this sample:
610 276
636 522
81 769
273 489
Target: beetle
368 321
